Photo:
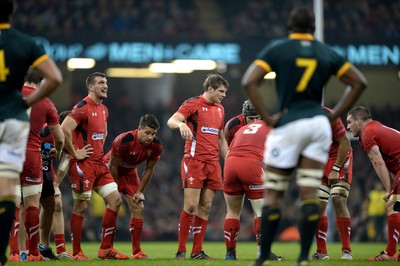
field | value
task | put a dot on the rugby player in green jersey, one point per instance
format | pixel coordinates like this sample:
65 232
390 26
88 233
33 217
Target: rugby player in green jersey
17 53
301 136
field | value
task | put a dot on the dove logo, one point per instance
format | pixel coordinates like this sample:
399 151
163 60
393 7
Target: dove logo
97 136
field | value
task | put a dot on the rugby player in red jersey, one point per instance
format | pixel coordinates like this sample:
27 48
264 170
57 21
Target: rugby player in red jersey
336 183
382 145
129 150
248 115
243 172
87 125
200 121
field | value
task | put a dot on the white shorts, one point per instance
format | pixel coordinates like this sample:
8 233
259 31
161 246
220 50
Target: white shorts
309 137
13 138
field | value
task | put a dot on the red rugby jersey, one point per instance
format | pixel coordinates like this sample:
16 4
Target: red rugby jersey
232 126
249 140
127 147
205 120
388 141
338 130
42 112
92 126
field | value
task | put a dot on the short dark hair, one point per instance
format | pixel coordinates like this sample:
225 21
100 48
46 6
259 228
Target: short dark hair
149 120
215 80
33 76
63 115
360 112
7 7
301 20
90 79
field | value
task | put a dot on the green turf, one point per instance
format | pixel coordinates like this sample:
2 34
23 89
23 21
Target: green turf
162 254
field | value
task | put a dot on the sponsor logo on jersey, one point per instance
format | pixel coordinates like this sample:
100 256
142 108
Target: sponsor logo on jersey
256 187
126 165
97 136
210 130
33 179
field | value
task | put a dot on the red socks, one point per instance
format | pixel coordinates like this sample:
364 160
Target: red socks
135 228
108 228
321 234
231 232
185 224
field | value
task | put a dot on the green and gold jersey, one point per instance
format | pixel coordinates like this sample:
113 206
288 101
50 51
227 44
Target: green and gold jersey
17 53
302 66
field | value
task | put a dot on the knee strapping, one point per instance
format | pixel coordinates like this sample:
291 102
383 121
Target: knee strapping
31 190
324 193
309 177
340 189
107 189
257 205
276 181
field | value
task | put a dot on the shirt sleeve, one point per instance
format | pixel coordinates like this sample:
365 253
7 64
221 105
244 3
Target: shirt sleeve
368 139
52 114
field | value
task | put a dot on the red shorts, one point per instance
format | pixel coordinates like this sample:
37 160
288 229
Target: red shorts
128 184
88 174
345 174
32 172
395 189
243 175
199 174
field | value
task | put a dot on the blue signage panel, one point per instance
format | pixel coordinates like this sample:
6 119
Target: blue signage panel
230 52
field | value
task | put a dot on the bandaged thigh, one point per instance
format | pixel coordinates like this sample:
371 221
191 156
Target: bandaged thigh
309 177
276 181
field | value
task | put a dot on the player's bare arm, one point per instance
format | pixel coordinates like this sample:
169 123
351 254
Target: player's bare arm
105 134
144 181
223 145
380 167
61 172
52 79
67 126
58 137
356 84
113 166
343 150
177 122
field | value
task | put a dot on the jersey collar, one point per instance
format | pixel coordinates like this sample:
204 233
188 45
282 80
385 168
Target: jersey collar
4 26
301 36
204 100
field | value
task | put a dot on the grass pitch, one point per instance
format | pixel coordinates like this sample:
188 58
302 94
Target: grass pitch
162 254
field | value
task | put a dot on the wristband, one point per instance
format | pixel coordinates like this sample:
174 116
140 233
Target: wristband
336 168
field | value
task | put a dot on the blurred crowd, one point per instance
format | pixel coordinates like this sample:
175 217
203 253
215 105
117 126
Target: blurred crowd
110 19
344 21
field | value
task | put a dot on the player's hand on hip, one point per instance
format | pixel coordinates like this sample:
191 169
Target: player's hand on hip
84 153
